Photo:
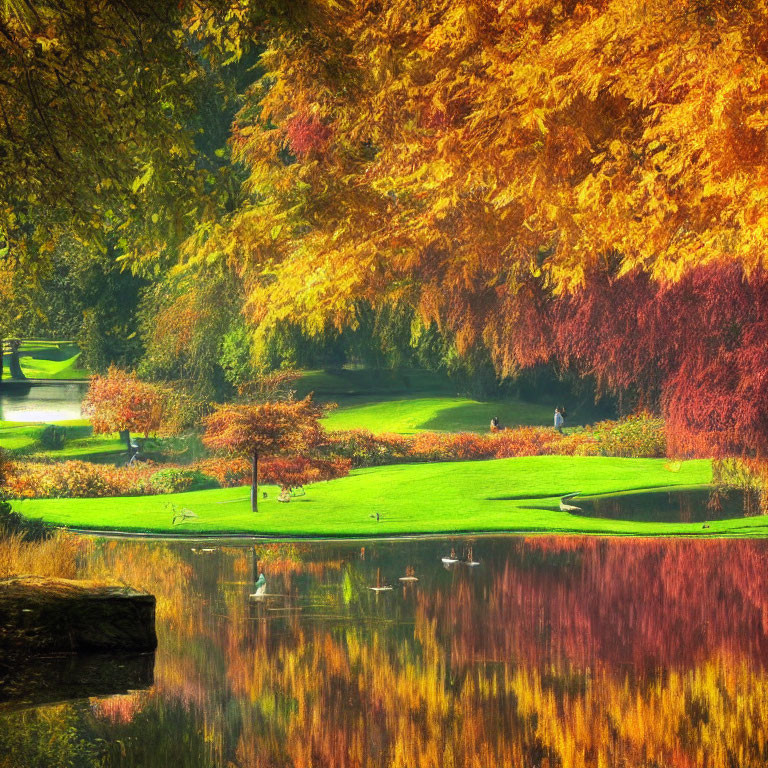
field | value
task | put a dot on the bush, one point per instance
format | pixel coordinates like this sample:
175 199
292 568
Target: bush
53 437
68 479
176 480
640 436
364 449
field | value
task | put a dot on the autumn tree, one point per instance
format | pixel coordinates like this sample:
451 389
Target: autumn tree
288 427
297 471
501 162
120 402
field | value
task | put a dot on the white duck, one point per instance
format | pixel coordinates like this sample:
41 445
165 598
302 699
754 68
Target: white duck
261 588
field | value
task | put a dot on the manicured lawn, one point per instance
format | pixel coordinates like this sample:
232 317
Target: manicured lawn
37 368
80 442
407 401
447 414
372 383
502 495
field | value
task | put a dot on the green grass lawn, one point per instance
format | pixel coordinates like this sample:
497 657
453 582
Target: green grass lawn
407 401
445 414
81 443
518 495
38 368
371 383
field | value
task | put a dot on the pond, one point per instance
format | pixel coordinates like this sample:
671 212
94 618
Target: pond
551 651
41 402
698 505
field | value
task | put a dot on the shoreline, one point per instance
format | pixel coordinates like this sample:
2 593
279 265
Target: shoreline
238 536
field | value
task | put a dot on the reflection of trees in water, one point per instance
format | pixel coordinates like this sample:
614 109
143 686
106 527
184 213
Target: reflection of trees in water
647 603
562 652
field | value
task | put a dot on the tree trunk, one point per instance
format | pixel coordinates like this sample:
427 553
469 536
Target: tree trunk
255 482
125 434
14 365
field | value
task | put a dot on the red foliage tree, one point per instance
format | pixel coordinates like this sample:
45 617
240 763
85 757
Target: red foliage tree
297 471
697 347
264 429
120 402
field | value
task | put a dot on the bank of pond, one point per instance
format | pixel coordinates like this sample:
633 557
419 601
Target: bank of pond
640 497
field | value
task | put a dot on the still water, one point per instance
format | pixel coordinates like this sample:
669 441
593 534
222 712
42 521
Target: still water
44 402
550 652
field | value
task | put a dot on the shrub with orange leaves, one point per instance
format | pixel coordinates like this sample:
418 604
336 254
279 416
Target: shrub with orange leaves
365 449
641 436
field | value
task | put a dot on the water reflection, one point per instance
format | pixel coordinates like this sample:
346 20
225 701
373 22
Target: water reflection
41 402
551 652
691 506
36 680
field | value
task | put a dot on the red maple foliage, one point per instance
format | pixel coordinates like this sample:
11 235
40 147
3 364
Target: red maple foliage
297 471
697 347
264 429
306 134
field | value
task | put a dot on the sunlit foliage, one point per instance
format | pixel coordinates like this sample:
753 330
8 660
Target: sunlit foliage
264 429
484 161
118 401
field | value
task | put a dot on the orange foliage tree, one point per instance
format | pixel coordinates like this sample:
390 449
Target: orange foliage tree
264 429
499 159
120 402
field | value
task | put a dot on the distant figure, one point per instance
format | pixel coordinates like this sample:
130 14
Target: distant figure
135 453
559 421
495 426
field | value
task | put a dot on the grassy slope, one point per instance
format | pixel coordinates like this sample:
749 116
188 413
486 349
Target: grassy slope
502 495
35 368
80 443
408 401
449 414
370 384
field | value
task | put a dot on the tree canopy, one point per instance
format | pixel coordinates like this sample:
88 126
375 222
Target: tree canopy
581 184
268 429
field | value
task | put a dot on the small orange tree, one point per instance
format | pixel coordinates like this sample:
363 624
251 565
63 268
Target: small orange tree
264 429
120 402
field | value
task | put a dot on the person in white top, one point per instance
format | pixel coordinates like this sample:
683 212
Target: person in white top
558 421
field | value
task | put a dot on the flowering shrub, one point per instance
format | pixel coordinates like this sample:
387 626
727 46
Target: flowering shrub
177 479
364 449
635 436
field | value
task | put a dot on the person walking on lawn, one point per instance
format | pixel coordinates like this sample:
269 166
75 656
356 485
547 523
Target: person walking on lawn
558 421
